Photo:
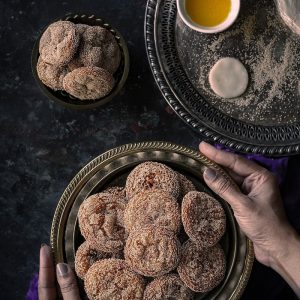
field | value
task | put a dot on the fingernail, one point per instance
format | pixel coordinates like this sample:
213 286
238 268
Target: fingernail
210 174
46 250
62 269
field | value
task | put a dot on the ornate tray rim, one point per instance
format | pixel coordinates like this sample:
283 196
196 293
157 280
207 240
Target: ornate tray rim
199 126
63 206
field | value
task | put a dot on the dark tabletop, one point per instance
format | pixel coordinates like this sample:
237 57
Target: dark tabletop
43 145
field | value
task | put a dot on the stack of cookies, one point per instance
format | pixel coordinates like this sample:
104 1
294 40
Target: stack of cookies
157 238
78 59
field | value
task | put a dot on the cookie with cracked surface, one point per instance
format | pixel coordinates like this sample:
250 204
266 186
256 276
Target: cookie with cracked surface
87 255
101 222
76 61
152 251
59 43
118 191
81 28
203 218
100 48
74 64
51 75
88 83
202 269
155 207
112 279
168 287
186 185
152 176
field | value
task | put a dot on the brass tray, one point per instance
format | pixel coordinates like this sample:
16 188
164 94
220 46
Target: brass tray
112 168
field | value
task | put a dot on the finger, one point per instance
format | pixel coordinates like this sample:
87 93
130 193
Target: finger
67 282
237 178
223 187
236 163
46 285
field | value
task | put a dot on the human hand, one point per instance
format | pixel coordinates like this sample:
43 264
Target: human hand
47 278
256 203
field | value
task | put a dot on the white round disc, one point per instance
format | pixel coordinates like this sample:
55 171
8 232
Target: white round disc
228 78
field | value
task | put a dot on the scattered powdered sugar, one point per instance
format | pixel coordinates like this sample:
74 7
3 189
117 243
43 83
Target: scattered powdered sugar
268 49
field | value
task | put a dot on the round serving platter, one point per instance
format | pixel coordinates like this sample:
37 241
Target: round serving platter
175 52
111 169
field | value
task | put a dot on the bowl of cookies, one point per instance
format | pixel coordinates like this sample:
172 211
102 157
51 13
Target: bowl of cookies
80 61
139 222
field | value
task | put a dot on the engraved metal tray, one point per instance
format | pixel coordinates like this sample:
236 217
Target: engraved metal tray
266 119
112 168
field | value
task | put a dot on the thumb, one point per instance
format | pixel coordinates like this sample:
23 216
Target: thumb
67 282
225 188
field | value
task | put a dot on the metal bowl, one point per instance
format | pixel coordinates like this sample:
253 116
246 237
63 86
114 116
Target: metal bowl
120 75
112 168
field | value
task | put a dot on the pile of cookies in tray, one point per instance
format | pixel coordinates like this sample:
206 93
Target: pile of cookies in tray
79 59
156 238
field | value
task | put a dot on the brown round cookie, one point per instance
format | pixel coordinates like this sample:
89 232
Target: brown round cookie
100 48
168 287
152 251
155 207
201 269
76 62
59 43
81 28
203 218
88 83
112 279
152 176
87 255
100 219
185 184
118 191
51 76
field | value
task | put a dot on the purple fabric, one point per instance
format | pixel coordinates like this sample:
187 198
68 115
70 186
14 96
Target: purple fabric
32 293
278 166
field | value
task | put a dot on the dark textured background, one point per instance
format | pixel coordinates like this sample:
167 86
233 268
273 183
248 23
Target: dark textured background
44 145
